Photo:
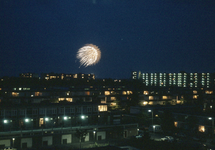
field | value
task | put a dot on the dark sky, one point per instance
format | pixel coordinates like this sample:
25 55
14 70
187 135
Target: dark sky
43 36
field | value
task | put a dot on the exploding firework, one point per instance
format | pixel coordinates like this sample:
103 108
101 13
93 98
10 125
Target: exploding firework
89 55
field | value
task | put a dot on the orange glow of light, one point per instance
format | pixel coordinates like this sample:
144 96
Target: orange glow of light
151 97
87 92
176 124
15 94
146 92
164 97
102 108
145 103
195 96
201 128
107 92
194 92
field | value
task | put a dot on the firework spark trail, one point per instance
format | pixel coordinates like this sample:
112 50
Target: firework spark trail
89 55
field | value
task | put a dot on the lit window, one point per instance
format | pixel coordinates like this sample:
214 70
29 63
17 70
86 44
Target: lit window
151 97
107 92
38 93
62 77
61 99
150 103
124 93
195 96
146 92
69 99
145 103
87 92
176 124
102 107
75 76
194 92
208 92
15 94
129 92
41 122
164 97
113 98
113 104
201 128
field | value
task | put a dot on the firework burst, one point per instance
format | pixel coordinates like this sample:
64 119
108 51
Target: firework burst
89 55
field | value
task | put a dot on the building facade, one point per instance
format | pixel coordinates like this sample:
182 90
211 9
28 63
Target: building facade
21 117
181 79
51 124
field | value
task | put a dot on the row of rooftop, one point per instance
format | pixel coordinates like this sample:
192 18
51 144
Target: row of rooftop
26 89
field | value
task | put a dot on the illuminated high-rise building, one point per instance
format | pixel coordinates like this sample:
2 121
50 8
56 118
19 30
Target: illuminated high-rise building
181 79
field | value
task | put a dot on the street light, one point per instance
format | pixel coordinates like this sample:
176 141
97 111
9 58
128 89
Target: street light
26 120
13 141
152 115
46 119
94 133
5 121
210 118
153 128
82 117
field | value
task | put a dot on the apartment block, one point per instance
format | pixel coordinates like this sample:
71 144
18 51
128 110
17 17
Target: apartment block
181 79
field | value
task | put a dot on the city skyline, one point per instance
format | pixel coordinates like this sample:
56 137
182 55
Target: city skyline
159 36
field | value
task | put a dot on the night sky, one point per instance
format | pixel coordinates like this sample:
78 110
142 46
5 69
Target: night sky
43 36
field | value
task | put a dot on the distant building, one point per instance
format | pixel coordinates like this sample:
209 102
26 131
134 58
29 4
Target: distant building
48 76
181 79
29 75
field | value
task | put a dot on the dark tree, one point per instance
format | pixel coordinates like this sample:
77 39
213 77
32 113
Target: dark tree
133 100
143 118
146 138
168 122
191 122
81 134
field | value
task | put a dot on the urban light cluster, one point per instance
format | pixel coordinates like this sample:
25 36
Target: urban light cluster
181 79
